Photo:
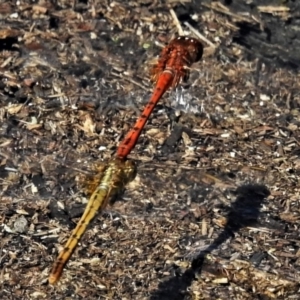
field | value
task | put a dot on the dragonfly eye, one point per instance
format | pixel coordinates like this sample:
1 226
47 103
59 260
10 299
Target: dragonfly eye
193 47
195 50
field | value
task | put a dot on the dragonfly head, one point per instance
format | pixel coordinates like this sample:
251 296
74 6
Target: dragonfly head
130 171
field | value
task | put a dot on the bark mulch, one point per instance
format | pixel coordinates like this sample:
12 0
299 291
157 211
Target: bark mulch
213 212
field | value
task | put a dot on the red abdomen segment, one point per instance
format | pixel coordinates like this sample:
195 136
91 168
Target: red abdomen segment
172 66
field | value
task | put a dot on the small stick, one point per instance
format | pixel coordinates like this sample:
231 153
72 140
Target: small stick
176 21
199 35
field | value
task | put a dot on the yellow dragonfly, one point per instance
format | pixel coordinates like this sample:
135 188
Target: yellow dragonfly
114 176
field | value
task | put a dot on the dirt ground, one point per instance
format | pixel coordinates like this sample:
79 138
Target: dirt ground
213 212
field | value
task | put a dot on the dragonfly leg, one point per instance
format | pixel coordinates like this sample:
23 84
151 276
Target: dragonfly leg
88 183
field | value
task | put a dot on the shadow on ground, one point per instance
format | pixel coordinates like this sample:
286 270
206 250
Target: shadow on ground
244 212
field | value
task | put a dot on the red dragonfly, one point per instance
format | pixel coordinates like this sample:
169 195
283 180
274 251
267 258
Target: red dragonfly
170 69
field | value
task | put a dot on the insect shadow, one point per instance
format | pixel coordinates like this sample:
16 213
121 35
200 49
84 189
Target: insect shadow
243 212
